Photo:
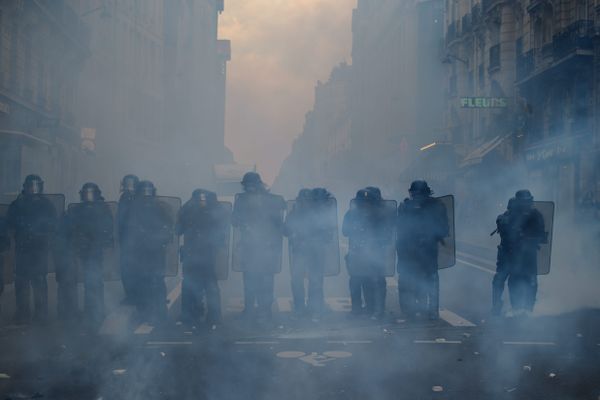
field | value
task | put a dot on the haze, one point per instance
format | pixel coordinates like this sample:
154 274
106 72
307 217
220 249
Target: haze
280 49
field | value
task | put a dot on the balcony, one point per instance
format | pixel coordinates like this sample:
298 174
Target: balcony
576 37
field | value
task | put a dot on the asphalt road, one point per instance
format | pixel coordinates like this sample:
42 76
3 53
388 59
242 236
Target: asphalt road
465 355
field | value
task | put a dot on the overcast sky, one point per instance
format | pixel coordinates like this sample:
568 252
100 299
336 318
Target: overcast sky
280 49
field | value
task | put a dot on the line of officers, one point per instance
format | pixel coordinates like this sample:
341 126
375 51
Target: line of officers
144 228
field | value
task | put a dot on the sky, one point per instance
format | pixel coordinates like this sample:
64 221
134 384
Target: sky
280 49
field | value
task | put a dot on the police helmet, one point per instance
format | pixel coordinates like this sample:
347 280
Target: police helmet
420 188
145 189
252 180
204 197
129 183
523 195
33 185
368 195
321 194
90 192
304 195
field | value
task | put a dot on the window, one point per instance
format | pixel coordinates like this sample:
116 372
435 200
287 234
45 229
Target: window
495 56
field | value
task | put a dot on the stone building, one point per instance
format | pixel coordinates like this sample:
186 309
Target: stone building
43 47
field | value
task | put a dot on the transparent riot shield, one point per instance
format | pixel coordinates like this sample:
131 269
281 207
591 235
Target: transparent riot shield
326 216
447 248
110 257
7 257
258 238
222 262
546 208
171 205
391 211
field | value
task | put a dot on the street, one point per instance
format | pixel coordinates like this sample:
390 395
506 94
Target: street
464 355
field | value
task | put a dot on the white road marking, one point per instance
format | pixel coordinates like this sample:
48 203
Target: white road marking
349 341
479 259
290 354
144 329
256 343
174 295
530 343
489 271
437 341
150 343
454 319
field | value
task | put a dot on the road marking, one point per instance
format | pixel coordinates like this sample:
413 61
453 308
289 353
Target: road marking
349 341
489 271
479 259
454 319
437 341
174 295
530 343
144 329
150 343
256 343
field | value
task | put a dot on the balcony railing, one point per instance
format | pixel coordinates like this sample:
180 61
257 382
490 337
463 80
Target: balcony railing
577 36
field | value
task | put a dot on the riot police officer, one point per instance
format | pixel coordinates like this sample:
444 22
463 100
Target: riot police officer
33 219
422 226
504 224
126 258
310 233
529 233
205 228
258 216
89 227
369 230
4 247
148 230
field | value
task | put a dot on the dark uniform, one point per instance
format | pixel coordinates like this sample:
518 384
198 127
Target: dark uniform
89 226
422 225
504 227
259 217
148 229
529 232
67 297
33 218
126 256
310 232
4 247
369 230
204 226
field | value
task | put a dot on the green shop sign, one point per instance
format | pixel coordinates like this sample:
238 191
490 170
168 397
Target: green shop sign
484 102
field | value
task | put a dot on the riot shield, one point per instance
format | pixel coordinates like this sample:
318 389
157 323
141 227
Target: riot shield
447 248
222 262
546 208
259 245
331 251
171 205
8 257
110 257
391 211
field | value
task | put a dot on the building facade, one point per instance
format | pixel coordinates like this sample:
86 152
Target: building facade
43 47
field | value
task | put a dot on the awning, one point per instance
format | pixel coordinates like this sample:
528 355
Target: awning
476 156
26 136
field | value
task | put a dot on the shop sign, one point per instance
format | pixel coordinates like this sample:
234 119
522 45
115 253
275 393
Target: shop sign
557 149
484 102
